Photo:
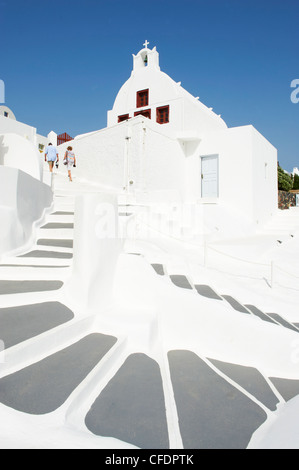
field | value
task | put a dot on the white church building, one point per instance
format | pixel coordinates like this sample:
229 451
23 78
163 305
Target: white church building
162 144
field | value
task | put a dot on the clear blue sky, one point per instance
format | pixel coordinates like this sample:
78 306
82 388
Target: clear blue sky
63 61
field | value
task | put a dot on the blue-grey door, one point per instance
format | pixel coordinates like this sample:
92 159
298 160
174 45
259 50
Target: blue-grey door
209 176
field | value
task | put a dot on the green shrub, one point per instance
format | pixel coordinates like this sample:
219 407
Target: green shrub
296 182
285 182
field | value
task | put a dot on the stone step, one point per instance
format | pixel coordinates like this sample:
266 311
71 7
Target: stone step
47 253
56 233
59 218
8 287
263 316
44 386
57 225
180 281
140 421
213 414
235 304
52 242
24 322
207 291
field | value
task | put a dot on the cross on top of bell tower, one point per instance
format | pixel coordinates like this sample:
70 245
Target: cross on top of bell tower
146 58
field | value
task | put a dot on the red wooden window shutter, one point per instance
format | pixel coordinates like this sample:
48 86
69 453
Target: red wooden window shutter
123 117
142 98
145 112
163 114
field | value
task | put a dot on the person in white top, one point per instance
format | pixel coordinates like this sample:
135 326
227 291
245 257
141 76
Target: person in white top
50 155
70 161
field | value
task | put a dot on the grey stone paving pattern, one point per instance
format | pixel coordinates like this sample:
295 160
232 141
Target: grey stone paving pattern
288 388
47 254
44 386
56 242
212 413
207 291
32 266
21 287
58 225
251 380
26 321
260 314
180 281
132 407
282 321
62 213
159 269
235 304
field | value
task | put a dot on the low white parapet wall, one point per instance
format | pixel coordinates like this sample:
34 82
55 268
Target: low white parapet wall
23 203
97 246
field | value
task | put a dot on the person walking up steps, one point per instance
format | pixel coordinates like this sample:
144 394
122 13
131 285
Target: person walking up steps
70 161
51 155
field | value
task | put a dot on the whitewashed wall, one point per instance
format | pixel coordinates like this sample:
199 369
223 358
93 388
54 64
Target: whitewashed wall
20 153
52 138
243 183
100 156
23 202
163 167
12 126
132 155
40 139
264 177
152 166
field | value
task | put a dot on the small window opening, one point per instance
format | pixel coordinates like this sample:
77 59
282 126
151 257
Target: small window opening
142 98
123 117
163 115
146 113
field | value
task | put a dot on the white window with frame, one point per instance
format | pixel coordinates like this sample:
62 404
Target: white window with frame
209 176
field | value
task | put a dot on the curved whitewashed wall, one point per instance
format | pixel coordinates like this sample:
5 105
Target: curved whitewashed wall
186 112
11 126
23 201
97 247
5 109
18 152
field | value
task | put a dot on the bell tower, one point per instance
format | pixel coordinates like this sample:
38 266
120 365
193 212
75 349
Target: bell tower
146 58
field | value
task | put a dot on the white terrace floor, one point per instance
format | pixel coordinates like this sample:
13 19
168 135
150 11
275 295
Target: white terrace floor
199 350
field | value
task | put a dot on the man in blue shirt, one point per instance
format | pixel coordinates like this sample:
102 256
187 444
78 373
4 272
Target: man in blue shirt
51 155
